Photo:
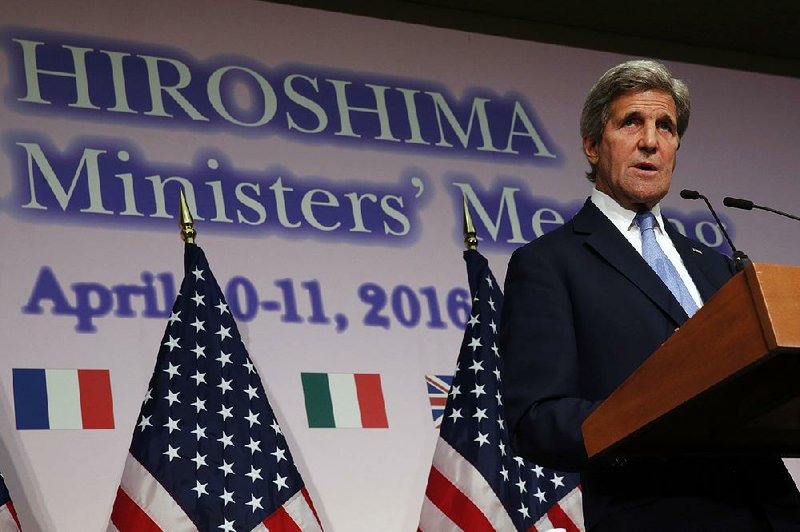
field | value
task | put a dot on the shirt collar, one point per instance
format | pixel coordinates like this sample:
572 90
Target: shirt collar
621 217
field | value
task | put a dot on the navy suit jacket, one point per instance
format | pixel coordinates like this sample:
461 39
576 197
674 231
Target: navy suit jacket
582 311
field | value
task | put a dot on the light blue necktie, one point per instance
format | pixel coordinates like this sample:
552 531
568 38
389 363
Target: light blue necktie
657 259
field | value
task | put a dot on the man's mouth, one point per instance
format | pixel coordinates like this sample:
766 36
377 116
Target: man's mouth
649 167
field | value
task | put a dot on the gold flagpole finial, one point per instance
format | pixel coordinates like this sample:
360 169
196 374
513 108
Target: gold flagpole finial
470 236
186 222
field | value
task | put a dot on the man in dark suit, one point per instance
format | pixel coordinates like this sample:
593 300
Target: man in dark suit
584 307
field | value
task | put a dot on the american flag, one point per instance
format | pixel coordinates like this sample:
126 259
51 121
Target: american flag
8 514
207 452
475 482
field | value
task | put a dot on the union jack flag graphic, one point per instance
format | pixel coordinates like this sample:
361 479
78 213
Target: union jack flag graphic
438 388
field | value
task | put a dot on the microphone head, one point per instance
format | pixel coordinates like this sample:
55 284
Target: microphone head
738 203
689 194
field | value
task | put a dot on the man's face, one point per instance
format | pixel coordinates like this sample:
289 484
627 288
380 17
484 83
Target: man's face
636 154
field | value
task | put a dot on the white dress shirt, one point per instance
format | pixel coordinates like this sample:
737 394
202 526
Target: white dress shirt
622 219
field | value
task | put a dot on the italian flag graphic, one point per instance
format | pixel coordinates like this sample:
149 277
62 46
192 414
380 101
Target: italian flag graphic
344 400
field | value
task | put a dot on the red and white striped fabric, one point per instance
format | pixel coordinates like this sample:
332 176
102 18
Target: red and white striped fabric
567 515
296 515
143 505
459 498
8 518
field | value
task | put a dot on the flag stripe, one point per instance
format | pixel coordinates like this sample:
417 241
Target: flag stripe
128 517
13 511
438 401
63 399
30 399
542 525
469 481
567 514
344 396
432 519
319 407
280 520
298 507
572 504
97 407
310 505
561 519
8 518
370 398
455 504
296 514
149 495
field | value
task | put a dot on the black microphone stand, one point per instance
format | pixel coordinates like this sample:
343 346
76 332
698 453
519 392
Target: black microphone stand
740 258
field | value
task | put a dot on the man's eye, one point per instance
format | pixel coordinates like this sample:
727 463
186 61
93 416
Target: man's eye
666 126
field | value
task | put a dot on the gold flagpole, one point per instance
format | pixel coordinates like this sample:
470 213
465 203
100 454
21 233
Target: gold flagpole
470 237
186 222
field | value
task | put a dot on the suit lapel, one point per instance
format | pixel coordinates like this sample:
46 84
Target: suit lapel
606 240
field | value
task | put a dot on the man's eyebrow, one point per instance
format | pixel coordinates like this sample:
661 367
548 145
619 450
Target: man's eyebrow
667 117
631 114
638 114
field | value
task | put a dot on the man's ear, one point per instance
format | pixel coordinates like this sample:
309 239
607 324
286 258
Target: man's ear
590 150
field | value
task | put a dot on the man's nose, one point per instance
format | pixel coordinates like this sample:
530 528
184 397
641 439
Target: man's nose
648 141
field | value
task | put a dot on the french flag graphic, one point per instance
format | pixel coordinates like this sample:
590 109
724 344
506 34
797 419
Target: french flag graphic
63 399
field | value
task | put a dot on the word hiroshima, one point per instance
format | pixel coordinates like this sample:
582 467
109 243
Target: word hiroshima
314 103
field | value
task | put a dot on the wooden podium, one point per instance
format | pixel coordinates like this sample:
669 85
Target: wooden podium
727 382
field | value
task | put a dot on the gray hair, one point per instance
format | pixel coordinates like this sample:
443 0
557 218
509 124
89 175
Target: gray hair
631 76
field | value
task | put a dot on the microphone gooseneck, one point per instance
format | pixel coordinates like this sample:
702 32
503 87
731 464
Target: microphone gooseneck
740 259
